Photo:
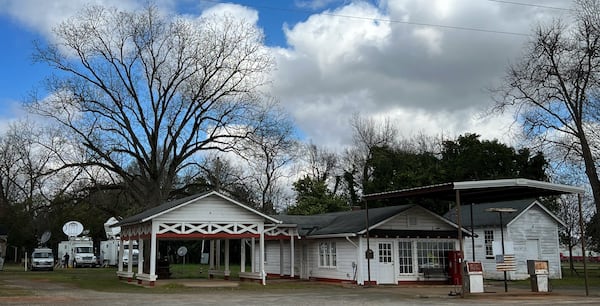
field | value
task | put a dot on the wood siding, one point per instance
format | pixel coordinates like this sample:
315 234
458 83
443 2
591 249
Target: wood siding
345 253
415 219
534 224
210 209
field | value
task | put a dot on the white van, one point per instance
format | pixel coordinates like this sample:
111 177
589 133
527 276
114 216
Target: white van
42 259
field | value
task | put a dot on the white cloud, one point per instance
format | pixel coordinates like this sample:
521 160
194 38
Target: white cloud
234 10
424 78
43 16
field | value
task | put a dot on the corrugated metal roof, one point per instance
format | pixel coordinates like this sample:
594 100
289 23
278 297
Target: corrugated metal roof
481 191
349 222
482 218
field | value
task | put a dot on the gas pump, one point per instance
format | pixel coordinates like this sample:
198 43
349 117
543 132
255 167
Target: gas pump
538 275
454 266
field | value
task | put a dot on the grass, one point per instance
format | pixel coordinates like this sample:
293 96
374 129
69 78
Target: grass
105 279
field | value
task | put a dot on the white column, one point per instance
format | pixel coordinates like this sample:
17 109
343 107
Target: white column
153 248
360 254
211 255
243 256
261 230
227 256
140 256
253 257
292 253
281 257
218 255
130 256
120 257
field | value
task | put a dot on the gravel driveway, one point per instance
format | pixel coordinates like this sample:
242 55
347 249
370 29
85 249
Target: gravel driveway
49 293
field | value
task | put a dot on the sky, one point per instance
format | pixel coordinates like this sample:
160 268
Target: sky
426 65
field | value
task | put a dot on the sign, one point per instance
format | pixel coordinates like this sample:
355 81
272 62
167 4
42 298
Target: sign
506 262
474 267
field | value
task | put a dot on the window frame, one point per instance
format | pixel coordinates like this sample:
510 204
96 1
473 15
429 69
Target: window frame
488 242
327 251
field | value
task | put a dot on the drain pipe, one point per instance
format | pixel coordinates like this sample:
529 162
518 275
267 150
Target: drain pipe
355 266
351 242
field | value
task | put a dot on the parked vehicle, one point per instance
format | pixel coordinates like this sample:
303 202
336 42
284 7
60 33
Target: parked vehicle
109 252
80 250
42 259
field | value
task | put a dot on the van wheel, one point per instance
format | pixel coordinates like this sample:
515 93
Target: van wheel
74 264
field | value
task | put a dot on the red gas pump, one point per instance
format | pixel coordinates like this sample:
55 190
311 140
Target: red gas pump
454 266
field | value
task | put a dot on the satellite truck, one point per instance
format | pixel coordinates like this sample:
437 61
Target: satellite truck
42 257
109 249
79 248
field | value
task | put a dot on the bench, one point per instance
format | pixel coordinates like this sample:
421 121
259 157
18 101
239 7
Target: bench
435 272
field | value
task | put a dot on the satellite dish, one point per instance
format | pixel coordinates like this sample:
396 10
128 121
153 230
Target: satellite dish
45 237
111 232
182 251
72 228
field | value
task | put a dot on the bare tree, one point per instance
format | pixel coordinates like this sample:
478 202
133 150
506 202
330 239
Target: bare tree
367 134
269 151
31 178
554 87
144 93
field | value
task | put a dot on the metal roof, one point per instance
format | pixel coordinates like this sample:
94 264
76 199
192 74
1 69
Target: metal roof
348 222
484 218
481 191
171 205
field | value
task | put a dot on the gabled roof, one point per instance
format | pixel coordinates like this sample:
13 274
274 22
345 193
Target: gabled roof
171 205
483 218
348 223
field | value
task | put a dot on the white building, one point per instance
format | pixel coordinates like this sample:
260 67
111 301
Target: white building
409 243
530 232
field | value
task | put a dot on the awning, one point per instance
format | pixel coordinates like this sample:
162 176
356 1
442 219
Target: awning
481 191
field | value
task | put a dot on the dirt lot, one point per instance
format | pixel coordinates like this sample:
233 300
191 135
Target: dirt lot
50 293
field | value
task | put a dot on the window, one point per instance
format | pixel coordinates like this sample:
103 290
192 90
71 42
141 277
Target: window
385 252
405 258
327 255
488 237
433 254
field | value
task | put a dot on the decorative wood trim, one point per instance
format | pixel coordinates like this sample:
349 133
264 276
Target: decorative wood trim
136 230
206 228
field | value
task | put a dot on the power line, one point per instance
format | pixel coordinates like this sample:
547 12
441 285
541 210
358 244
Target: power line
423 24
532 5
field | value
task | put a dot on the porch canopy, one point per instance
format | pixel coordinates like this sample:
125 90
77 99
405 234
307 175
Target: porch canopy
209 216
485 191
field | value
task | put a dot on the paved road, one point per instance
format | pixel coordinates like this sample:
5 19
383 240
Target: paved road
47 293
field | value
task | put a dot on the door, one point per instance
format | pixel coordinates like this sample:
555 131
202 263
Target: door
532 249
385 263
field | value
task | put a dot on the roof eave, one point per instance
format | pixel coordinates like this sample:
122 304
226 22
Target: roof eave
324 236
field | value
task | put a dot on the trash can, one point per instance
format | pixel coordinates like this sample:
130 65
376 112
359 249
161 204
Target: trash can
474 277
538 275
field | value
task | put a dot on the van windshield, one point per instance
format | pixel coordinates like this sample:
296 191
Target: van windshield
42 255
83 249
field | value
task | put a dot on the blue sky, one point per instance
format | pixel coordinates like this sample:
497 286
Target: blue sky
338 58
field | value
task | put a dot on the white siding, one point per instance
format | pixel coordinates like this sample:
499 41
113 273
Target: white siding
534 224
489 263
422 220
345 252
210 209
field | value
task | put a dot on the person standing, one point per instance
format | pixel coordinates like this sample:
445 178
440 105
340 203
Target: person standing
66 260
